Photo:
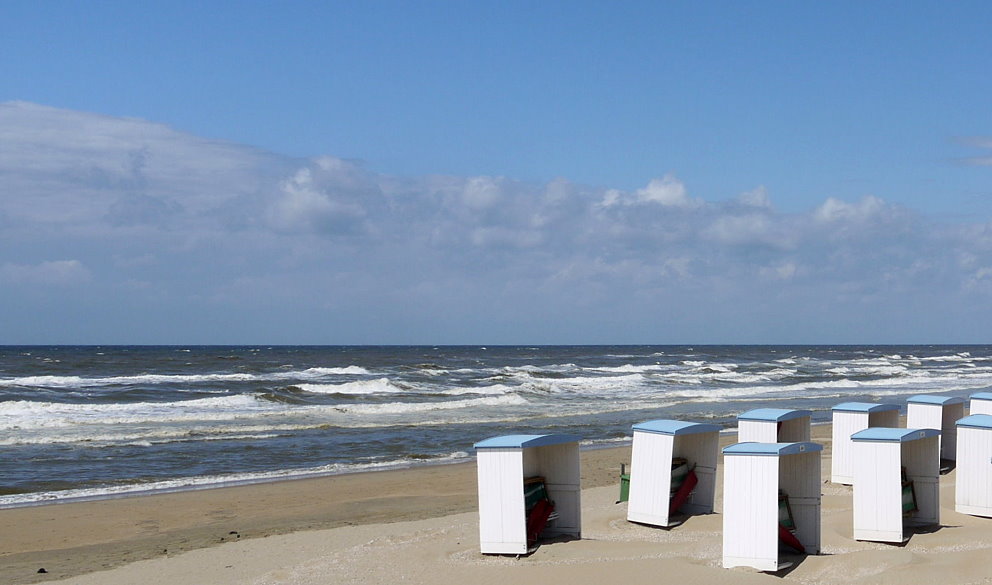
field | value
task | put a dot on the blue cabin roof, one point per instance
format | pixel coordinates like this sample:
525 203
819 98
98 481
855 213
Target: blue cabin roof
676 427
521 441
931 399
773 414
982 395
976 421
890 435
864 407
772 449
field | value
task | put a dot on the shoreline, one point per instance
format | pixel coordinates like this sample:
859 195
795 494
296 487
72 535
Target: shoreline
139 491
72 538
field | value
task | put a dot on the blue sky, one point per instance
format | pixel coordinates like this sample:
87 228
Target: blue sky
446 172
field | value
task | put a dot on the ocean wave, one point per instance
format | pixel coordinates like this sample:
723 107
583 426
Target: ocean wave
418 407
630 369
151 437
50 381
493 390
821 389
957 357
25 414
586 385
376 386
346 371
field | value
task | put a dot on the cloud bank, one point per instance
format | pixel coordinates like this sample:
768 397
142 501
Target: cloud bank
127 231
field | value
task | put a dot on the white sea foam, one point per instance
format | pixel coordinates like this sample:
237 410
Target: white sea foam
417 407
376 386
493 390
348 371
152 379
592 385
630 368
25 414
821 389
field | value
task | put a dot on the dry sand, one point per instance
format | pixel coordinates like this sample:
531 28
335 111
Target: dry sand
420 526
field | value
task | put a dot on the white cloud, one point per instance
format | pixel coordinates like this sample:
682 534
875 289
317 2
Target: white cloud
173 218
302 205
49 273
834 210
76 170
757 197
783 271
749 229
480 193
667 191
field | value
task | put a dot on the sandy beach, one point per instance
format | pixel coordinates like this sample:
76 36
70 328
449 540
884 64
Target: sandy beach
421 526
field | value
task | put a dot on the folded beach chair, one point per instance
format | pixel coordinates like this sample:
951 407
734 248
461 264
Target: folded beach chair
787 524
684 480
538 507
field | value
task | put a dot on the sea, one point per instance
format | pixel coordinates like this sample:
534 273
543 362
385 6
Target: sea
80 422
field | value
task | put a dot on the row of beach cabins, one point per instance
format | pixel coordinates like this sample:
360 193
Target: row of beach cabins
529 486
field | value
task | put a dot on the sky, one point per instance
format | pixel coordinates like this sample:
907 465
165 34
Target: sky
495 172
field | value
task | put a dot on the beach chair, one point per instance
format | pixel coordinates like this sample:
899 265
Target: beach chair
538 508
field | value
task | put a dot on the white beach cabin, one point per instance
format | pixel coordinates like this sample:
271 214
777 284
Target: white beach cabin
896 482
773 425
925 411
755 515
652 474
973 485
849 418
504 464
981 403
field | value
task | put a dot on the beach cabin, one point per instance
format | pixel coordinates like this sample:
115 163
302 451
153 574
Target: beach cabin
773 425
771 503
896 482
981 403
849 418
937 412
528 489
672 471
973 485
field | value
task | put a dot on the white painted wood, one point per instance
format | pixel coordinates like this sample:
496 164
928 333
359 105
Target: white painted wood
501 502
877 485
795 430
750 507
937 416
878 467
559 465
981 403
757 431
650 474
922 461
750 512
501 473
845 424
949 431
788 428
799 476
702 450
973 484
